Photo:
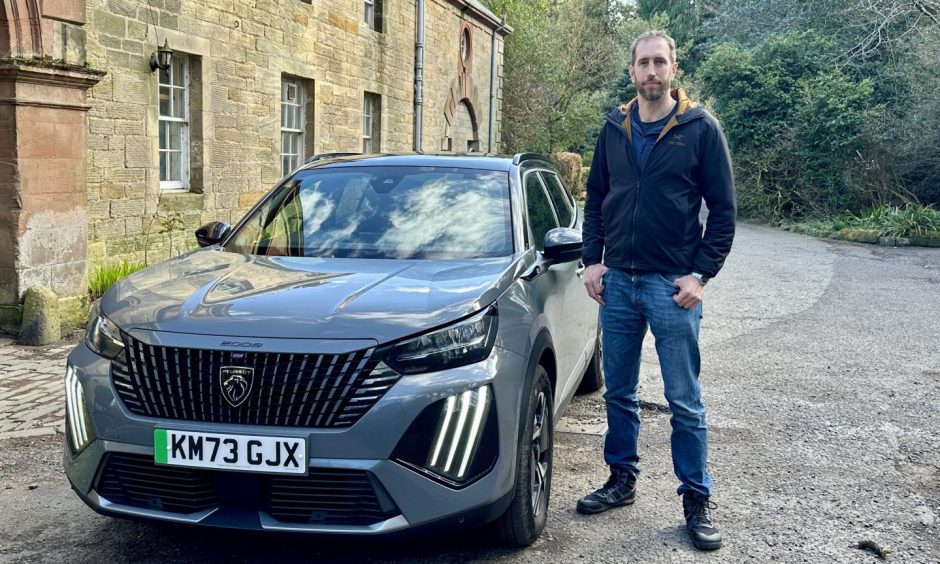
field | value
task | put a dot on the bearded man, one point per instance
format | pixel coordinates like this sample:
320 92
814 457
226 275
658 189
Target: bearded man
657 159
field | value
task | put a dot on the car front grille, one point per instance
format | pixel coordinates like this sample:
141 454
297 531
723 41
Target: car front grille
135 480
290 390
326 496
339 497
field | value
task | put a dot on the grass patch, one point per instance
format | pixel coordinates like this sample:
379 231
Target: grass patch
105 276
896 221
909 220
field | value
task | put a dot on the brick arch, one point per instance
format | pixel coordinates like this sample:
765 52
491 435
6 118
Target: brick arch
21 33
462 91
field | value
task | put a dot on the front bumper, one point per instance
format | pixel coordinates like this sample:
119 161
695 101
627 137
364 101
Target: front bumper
348 467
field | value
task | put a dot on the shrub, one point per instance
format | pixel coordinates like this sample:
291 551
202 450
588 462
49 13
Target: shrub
569 166
796 128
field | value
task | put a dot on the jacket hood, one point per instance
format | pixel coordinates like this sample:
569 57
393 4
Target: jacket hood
212 292
686 111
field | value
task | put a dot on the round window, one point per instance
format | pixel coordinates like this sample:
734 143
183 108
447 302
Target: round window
465 45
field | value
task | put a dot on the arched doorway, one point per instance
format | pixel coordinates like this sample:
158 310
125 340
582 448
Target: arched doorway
465 133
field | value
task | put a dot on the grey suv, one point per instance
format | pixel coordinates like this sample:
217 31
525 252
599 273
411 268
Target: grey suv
382 343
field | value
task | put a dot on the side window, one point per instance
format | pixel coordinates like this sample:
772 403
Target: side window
541 217
559 197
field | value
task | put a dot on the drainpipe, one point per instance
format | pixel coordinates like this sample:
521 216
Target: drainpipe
419 73
492 117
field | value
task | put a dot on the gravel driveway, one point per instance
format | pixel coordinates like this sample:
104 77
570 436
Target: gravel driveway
821 375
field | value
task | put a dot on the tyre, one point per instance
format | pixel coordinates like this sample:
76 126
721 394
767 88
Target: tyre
593 378
527 514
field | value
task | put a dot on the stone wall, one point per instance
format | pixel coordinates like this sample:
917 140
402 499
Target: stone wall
239 51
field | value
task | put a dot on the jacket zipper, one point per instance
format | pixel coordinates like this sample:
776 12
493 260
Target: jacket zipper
639 183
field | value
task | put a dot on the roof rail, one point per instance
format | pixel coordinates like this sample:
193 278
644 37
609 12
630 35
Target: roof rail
323 156
519 157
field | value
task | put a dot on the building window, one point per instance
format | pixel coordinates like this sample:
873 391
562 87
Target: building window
293 120
371 123
373 14
174 124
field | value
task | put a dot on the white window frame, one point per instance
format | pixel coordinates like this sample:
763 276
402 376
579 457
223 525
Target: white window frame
183 184
371 123
297 133
369 15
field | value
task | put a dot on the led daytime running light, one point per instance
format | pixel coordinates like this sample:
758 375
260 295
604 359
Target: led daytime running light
470 407
77 418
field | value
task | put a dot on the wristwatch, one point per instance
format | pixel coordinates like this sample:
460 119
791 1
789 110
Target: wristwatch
702 278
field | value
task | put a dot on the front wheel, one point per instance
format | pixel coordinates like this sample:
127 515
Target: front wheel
526 516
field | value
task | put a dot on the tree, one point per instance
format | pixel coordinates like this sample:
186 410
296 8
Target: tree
682 17
560 59
796 128
891 43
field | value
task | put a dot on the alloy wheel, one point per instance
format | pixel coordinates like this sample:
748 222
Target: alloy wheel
539 454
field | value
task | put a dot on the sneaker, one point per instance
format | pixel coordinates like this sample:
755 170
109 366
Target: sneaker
619 490
698 520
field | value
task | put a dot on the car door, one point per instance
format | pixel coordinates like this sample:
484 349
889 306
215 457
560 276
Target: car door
552 285
581 310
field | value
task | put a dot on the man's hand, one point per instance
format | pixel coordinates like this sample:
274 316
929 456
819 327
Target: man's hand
593 276
690 291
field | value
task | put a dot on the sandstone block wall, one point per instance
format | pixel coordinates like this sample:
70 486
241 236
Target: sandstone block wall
239 51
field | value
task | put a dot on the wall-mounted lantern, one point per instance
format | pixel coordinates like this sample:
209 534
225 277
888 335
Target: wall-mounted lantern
161 59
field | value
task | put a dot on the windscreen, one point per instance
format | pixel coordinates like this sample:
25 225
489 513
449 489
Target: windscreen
383 212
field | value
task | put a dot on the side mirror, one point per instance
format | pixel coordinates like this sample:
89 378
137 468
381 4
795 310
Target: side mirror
212 233
563 244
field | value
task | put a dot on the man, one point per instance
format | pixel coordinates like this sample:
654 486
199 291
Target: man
657 159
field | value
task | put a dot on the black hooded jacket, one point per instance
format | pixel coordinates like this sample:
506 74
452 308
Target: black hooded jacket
650 222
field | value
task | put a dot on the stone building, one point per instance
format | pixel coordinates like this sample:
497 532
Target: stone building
124 125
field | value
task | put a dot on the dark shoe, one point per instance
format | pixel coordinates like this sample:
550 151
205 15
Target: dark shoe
698 520
619 490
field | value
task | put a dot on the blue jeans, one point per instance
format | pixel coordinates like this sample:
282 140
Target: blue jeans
633 303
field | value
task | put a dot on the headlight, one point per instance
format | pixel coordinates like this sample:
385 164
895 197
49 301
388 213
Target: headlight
102 335
463 343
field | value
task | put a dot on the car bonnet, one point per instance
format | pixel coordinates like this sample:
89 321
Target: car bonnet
211 292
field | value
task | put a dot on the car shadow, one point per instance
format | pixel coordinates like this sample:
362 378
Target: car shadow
158 542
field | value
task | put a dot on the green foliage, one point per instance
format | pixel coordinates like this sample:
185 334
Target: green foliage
893 45
796 128
105 276
899 221
559 61
908 220
831 124
682 17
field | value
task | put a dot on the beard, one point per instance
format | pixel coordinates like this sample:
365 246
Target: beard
651 92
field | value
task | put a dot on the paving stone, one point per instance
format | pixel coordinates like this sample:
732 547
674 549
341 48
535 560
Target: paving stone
31 389
35 432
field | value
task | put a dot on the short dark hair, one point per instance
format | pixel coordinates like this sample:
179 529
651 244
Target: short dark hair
652 34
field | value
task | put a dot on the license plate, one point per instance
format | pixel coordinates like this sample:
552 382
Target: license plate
252 453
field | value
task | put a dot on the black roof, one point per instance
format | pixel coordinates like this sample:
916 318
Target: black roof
471 160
